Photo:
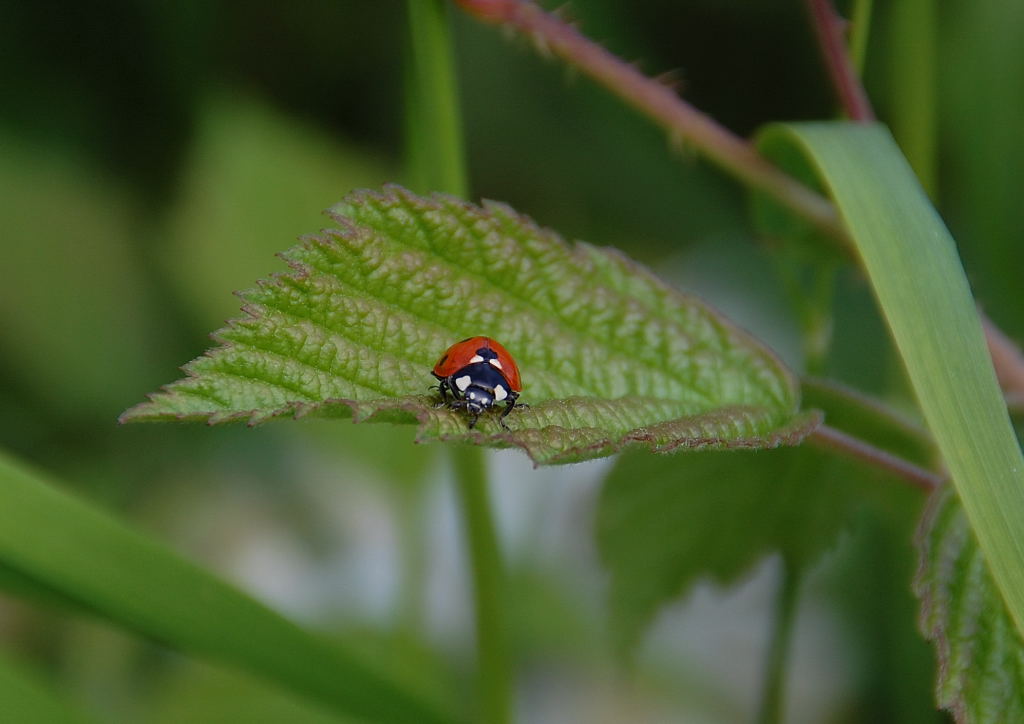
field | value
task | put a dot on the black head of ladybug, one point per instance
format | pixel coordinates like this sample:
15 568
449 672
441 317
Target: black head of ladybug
477 399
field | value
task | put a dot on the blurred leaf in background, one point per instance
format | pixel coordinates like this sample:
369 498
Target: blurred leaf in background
981 72
666 522
74 312
254 179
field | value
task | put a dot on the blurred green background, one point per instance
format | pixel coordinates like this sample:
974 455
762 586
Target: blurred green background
153 158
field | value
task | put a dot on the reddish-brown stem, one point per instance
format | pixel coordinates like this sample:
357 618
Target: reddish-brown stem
733 154
828 28
682 121
833 439
1007 360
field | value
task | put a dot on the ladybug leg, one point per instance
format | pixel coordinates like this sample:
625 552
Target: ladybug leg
472 420
508 408
443 388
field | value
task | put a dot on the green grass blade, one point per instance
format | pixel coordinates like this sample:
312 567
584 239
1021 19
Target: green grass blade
76 550
912 263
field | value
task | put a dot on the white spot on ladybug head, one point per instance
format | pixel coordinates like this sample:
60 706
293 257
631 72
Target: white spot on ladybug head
476 358
499 393
462 382
496 363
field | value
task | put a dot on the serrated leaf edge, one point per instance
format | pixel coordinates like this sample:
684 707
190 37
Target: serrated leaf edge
947 524
799 425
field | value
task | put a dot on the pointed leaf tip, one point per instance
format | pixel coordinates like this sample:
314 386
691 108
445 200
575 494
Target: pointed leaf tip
610 355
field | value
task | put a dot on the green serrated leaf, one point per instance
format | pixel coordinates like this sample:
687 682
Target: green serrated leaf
610 355
664 522
980 652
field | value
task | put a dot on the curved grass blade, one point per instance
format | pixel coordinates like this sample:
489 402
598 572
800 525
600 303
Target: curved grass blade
80 553
912 263
610 356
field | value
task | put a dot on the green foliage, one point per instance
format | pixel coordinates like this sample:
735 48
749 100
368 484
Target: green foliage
60 324
867 582
68 548
665 522
980 651
983 150
610 356
27 700
251 179
163 235
205 695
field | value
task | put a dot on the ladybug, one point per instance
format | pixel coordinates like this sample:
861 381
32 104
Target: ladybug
479 372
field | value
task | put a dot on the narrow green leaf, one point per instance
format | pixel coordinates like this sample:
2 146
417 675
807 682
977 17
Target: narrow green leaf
25 700
980 652
610 356
87 556
665 522
912 264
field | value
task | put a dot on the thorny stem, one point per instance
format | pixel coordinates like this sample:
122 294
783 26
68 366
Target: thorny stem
838 441
828 28
684 122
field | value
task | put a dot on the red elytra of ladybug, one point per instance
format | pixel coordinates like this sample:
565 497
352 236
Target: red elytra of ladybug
478 372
